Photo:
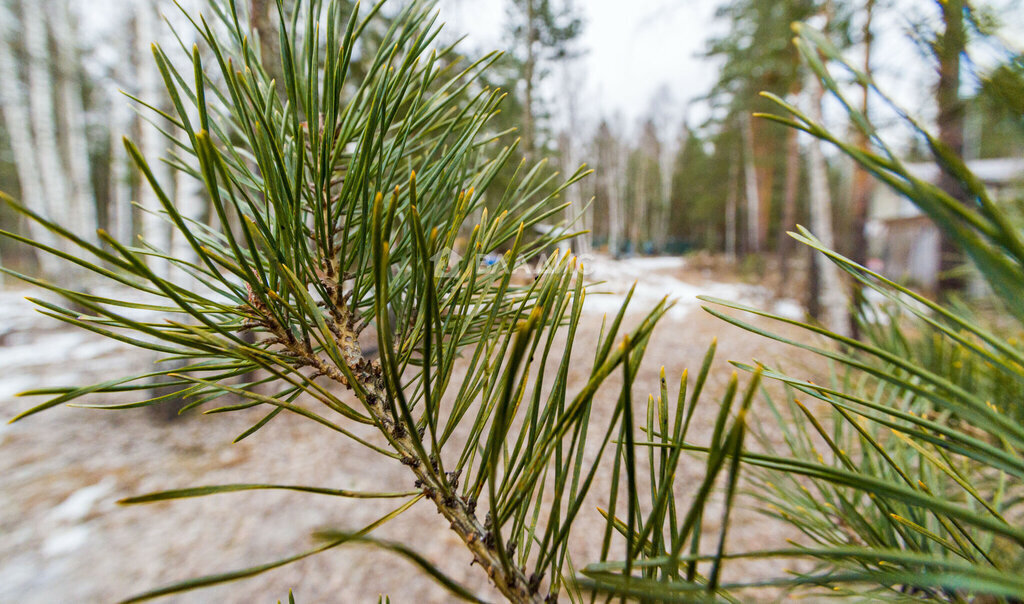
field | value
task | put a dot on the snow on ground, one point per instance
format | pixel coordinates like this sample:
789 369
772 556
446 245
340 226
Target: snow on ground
660 277
31 341
55 348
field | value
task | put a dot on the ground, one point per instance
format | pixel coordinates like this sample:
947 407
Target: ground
64 539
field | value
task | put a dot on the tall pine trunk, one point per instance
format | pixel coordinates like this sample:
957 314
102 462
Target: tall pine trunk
949 47
792 191
263 20
862 183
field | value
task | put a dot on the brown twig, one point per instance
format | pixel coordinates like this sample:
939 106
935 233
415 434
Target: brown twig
460 512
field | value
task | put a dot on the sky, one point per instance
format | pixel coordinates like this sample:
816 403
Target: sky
630 54
636 51
632 49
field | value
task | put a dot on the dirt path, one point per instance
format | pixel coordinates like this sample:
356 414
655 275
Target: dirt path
63 539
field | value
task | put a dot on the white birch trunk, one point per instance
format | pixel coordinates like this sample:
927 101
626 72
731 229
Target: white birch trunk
731 211
155 228
586 245
16 118
188 200
82 199
612 174
831 297
43 117
574 215
750 178
52 193
119 208
121 120
569 141
641 203
665 165
614 209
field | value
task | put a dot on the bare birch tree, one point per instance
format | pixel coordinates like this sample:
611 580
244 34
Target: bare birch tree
81 199
121 120
753 197
610 176
579 213
41 109
731 210
15 106
663 118
188 192
155 230
831 297
648 199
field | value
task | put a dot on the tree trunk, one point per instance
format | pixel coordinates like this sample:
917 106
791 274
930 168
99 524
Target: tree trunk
831 299
614 183
121 120
188 200
262 20
731 211
586 241
792 191
750 179
639 206
43 116
576 214
82 201
862 183
155 228
529 67
763 152
949 47
16 118
664 197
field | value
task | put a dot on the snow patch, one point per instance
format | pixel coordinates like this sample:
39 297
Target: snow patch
654 263
79 504
789 308
55 348
65 541
11 385
653 281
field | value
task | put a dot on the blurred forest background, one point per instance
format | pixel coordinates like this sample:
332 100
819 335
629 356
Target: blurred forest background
683 169
679 176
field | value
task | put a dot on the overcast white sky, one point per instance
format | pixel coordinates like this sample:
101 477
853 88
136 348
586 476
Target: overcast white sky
634 49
